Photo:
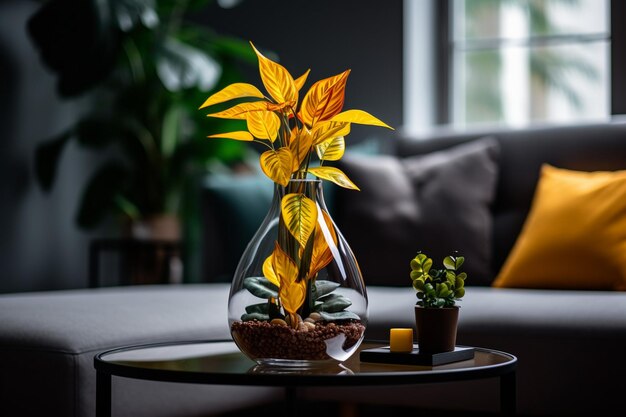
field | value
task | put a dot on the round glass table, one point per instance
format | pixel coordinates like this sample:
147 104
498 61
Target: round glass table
221 362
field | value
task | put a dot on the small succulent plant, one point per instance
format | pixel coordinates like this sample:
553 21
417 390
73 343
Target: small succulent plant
438 288
328 305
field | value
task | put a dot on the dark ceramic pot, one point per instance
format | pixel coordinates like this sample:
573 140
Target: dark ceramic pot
436 328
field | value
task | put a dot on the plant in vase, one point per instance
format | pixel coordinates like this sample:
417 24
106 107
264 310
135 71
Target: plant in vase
436 311
297 296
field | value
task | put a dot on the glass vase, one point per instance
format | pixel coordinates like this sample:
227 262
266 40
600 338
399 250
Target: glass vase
293 301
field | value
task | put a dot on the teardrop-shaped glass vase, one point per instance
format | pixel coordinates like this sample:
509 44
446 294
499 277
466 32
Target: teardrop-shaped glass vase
298 297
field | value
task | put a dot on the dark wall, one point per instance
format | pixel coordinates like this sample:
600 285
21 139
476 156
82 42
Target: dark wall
40 246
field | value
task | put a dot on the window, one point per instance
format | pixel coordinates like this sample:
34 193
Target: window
515 62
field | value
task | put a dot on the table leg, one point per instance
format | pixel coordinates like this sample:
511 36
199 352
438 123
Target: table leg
290 401
508 394
103 394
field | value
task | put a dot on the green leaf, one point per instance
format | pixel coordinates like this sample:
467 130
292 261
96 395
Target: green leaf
459 283
341 315
181 66
459 261
416 275
262 308
127 207
334 302
323 287
449 263
131 13
170 130
260 287
421 263
255 316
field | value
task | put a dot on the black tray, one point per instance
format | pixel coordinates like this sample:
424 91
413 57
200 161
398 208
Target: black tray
385 355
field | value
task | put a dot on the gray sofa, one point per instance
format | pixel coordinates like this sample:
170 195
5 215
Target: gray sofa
570 344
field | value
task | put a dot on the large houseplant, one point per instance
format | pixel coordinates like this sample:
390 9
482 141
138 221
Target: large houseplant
297 296
436 311
144 65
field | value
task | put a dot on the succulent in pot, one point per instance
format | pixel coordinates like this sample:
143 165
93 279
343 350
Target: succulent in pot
436 288
436 311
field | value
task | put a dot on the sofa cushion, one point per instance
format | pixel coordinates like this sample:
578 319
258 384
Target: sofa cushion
48 341
436 203
575 234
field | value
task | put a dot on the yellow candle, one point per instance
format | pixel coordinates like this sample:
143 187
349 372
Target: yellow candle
401 340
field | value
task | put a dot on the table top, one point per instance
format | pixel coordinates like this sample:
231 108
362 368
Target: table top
221 362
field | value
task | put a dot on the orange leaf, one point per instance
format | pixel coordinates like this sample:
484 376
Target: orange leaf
263 124
291 292
277 165
322 255
360 117
302 79
233 91
300 144
240 110
240 135
277 80
324 99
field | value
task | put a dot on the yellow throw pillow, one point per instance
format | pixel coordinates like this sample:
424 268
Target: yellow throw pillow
574 236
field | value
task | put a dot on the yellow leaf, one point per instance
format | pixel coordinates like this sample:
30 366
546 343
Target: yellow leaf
268 271
300 145
329 130
292 297
291 292
263 124
322 255
301 80
324 99
277 80
277 165
233 91
334 175
240 110
240 135
300 216
360 117
331 149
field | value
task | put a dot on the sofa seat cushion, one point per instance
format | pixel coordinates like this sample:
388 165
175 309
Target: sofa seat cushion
48 341
507 311
77 321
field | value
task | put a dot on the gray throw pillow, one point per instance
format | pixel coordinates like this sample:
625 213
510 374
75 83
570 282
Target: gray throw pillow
436 203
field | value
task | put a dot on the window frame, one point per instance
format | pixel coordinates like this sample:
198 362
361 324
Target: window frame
442 71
